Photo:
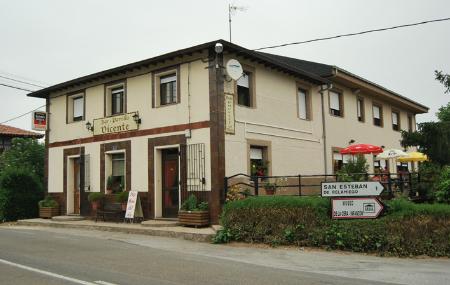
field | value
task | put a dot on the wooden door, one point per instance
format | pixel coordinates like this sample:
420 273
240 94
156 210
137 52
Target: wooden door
76 186
170 185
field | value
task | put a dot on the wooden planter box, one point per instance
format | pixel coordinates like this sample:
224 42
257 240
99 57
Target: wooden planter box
48 213
194 218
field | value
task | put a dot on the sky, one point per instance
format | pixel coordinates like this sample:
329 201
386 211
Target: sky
46 42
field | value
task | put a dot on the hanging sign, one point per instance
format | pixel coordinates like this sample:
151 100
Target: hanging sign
115 124
229 114
351 189
355 208
39 121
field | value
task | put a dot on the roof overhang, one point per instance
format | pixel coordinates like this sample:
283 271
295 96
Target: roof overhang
356 82
228 47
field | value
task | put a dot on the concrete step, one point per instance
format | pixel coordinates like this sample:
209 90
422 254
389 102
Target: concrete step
187 233
68 218
160 223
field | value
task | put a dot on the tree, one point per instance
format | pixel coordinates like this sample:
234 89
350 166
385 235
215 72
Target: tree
27 154
433 138
444 79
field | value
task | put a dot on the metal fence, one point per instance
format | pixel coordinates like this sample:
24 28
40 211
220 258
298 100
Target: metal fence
310 185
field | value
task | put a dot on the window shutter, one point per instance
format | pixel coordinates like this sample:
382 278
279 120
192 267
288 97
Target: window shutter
358 107
376 112
337 156
244 81
302 113
87 173
256 153
78 106
169 78
334 101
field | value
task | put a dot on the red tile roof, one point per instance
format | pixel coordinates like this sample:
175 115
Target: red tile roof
16 132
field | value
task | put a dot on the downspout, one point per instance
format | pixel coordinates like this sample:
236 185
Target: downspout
323 88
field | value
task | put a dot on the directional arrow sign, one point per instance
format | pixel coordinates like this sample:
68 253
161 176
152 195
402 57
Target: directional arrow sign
355 208
351 189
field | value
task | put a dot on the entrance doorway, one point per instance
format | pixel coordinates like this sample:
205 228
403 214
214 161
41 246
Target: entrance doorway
170 183
76 186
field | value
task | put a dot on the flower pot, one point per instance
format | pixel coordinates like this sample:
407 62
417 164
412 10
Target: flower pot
193 218
95 205
270 191
48 212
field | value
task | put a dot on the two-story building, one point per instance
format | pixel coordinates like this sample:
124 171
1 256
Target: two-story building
177 124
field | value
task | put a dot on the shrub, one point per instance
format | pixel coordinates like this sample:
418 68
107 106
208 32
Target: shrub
354 170
442 193
48 202
122 197
95 196
20 191
406 228
191 204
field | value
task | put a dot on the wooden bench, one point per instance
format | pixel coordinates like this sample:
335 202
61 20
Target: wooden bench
108 209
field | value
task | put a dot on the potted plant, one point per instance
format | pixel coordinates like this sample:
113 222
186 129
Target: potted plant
109 185
193 213
122 198
271 188
95 198
48 208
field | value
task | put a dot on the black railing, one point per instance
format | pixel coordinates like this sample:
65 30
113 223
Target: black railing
310 185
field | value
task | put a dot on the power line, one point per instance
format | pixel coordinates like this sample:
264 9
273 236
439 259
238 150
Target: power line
20 81
20 116
16 87
354 34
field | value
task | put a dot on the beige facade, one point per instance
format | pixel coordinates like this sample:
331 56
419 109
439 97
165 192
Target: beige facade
292 140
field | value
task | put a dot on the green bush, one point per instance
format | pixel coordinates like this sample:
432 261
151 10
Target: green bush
48 202
354 170
443 186
122 197
20 192
406 228
191 204
95 196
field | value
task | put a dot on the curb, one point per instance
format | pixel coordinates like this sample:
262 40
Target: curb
199 237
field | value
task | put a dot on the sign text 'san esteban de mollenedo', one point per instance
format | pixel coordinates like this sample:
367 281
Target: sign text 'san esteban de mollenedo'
351 189
115 124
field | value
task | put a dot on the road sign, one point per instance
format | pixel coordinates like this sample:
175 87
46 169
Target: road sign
355 208
351 189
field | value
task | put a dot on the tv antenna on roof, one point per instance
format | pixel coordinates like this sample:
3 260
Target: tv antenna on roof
231 10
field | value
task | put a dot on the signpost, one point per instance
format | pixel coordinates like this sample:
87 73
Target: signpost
351 189
355 208
354 200
134 208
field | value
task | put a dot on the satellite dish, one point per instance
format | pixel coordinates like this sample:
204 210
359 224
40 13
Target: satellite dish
234 69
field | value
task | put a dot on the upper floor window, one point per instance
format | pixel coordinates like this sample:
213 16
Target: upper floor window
360 109
410 123
336 106
75 107
395 121
245 90
377 115
115 99
303 100
168 89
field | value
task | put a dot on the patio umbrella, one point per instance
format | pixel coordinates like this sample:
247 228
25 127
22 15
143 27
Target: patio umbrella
392 154
362 149
413 157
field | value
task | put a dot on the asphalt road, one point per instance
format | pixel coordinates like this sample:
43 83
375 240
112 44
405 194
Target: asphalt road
62 256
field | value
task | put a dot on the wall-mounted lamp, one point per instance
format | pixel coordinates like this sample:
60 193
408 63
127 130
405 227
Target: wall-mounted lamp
89 126
137 119
382 146
351 141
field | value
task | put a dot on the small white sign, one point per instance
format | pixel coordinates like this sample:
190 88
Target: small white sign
351 189
131 204
355 208
229 114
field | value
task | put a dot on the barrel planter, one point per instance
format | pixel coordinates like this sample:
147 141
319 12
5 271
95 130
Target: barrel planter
194 218
48 212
